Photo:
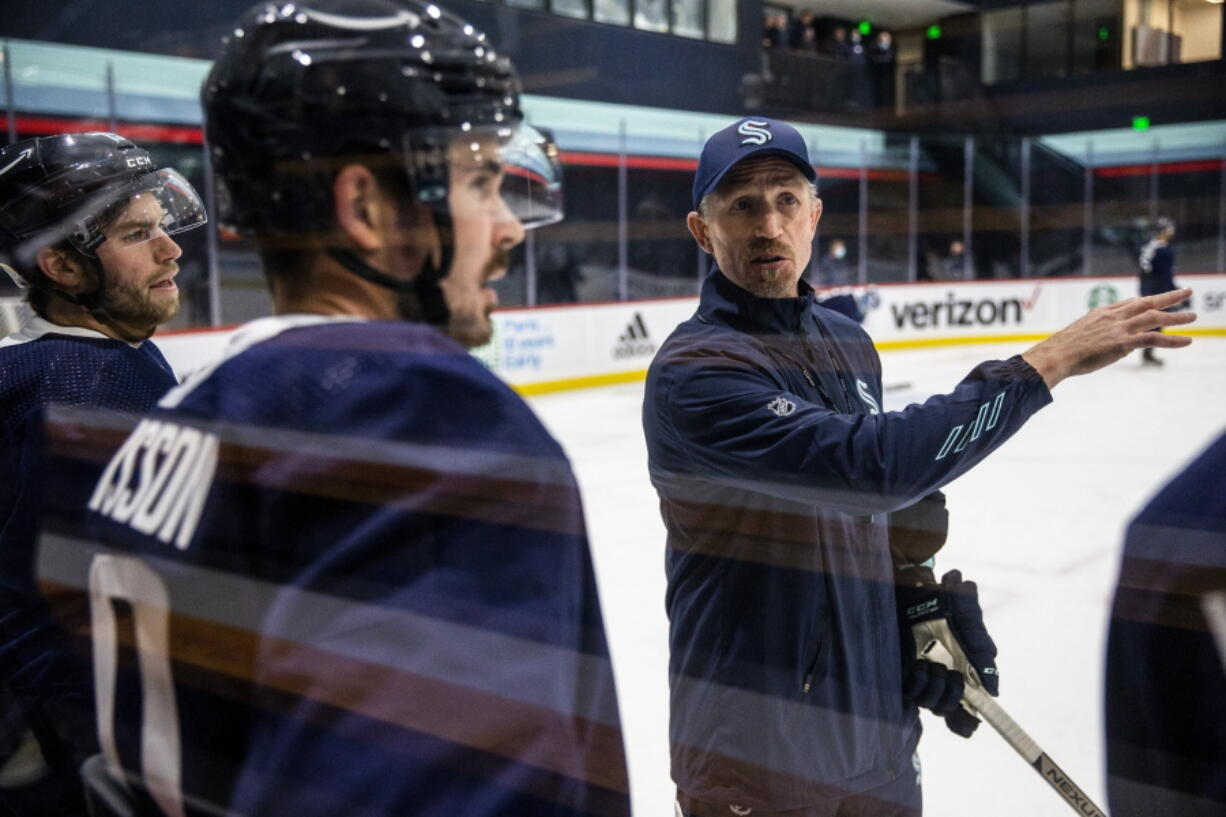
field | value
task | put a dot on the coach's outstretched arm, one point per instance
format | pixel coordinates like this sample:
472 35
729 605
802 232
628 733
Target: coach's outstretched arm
1107 334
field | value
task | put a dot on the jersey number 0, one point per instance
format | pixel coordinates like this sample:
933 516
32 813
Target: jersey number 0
126 578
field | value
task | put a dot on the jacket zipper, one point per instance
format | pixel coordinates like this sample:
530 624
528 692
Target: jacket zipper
812 379
812 670
834 364
838 374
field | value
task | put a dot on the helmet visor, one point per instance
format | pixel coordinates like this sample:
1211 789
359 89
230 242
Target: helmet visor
159 203
517 167
532 177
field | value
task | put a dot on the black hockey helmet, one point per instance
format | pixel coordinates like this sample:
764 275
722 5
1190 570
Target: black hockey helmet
71 186
303 82
302 87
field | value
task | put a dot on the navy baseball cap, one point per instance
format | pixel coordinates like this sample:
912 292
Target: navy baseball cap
755 136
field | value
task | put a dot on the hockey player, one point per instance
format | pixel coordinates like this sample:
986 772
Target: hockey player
85 223
1165 684
355 563
1156 263
796 665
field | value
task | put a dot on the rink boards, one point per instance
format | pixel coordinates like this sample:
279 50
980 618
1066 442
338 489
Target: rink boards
557 348
566 347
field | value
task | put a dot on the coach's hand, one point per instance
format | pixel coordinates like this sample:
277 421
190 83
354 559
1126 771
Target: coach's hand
1108 333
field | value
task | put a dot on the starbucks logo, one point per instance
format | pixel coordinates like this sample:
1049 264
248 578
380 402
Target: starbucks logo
1103 294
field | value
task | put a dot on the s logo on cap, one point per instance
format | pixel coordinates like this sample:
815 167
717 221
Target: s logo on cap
755 133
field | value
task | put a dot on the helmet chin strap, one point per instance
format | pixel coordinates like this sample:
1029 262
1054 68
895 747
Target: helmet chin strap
425 289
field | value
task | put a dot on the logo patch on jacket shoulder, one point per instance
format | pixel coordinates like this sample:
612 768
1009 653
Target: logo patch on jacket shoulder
866 396
781 406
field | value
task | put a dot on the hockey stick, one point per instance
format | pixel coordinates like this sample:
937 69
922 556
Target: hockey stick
979 701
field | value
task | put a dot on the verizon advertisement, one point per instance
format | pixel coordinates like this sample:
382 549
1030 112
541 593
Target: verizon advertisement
917 315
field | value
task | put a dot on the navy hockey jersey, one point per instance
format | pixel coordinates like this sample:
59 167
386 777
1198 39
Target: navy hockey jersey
1166 662
41 364
355 571
1157 264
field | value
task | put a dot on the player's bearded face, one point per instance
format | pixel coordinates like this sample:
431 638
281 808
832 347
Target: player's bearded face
484 232
140 262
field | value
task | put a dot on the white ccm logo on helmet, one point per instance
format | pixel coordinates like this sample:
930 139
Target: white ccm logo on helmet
755 133
21 157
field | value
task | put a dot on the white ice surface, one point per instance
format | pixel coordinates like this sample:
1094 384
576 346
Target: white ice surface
1038 526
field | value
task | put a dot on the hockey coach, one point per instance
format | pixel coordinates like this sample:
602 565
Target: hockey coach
86 221
356 561
802 519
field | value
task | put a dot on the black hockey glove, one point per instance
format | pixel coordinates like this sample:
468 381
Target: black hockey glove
947 613
919 530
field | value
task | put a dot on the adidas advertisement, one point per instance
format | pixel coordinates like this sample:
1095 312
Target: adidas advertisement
634 341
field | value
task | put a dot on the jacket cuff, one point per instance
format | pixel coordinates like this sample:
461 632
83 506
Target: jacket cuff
1018 367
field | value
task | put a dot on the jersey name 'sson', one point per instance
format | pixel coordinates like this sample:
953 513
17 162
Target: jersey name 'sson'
173 467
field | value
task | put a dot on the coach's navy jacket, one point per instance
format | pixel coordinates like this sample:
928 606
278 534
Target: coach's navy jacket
776 469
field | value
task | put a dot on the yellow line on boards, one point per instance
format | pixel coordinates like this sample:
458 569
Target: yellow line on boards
919 343
585 382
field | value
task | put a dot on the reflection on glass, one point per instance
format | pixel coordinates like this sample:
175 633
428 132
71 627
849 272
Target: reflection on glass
651 15
687 18
527 4
1149 25
1002 45
1047 40
721 21
661 256
1097 36
570 8
616 12
1197 29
